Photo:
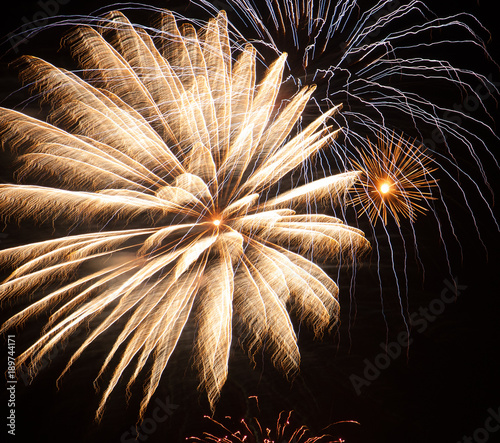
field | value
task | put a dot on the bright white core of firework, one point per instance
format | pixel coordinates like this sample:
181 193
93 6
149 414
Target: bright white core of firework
385 188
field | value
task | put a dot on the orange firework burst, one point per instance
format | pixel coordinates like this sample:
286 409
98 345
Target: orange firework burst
396 179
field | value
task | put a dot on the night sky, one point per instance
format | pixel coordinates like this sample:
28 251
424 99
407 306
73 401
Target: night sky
443 387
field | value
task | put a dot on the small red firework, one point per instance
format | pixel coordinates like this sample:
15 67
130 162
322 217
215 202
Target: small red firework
252 431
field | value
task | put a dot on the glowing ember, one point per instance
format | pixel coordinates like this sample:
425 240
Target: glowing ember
385 188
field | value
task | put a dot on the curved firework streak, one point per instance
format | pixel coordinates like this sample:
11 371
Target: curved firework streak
171 150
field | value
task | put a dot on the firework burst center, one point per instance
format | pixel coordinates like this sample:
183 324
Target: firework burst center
385 188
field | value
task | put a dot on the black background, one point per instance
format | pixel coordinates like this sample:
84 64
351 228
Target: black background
438 389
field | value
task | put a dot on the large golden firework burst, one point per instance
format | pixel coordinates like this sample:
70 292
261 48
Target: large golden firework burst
396 179
169 153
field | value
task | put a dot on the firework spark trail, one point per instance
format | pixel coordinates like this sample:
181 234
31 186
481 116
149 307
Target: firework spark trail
174 138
